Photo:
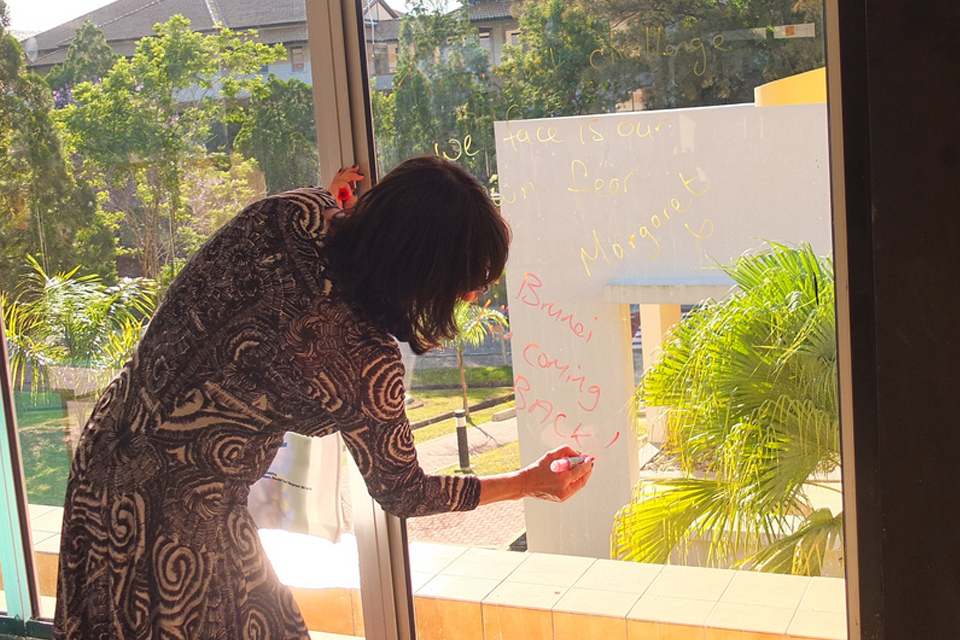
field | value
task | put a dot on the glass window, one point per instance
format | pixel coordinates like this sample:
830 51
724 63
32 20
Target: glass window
637 156
624 192
107 210
297 58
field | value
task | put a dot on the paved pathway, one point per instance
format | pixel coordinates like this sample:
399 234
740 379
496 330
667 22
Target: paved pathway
495 525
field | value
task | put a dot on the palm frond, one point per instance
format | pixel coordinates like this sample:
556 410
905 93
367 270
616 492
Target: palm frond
74 320
749 384
806 550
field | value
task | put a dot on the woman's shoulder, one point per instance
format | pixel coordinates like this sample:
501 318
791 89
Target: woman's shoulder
307 196
301 211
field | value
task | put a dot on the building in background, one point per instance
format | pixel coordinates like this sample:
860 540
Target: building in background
124 22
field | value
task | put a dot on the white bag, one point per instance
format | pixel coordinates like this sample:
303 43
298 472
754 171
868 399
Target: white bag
301 490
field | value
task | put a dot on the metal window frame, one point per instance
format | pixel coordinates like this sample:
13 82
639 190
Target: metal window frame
343 133
16 542
345 137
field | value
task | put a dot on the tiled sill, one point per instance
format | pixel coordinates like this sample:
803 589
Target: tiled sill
484 594
464 593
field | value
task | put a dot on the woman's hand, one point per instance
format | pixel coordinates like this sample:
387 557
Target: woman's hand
537 480
344 185
545 484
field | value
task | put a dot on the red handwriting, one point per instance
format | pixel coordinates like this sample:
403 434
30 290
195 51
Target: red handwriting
545 410
529 295
521 387
534 356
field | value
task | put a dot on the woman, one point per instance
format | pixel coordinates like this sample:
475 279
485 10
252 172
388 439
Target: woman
282 322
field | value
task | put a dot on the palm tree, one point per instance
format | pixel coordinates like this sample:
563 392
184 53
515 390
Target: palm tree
751 389
474 323
74 321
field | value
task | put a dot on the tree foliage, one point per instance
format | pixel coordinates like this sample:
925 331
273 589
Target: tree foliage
751 389
141 128
46 212
556 70
74 320
703 52
89 58
442 98
280 131
474 323
214 191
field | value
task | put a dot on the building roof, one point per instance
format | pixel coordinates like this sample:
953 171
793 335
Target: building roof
481 10
384 31
123 22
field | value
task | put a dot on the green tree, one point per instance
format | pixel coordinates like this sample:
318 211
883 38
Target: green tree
702 52
146 123
280 131
214 191
474 323
74 320
558 69
89 58
46 211
751 387
442 100
383 109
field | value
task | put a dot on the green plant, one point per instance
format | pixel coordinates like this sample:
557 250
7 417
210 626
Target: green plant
73 320
750 385
474 323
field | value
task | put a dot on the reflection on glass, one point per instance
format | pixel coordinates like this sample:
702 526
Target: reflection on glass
583 121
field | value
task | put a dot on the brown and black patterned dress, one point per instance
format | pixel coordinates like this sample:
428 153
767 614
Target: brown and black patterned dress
157 539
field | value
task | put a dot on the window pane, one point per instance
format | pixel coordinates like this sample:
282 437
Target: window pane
114 183
588 124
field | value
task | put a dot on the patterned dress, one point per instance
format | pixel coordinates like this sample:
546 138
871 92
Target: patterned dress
248 344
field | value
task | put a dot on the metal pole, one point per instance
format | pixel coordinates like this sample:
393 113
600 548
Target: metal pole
462 446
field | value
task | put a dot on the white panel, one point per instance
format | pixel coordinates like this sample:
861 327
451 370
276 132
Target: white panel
602 203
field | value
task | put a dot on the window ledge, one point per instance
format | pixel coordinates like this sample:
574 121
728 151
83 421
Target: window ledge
471 593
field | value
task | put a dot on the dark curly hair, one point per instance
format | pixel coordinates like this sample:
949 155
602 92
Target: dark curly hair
415 244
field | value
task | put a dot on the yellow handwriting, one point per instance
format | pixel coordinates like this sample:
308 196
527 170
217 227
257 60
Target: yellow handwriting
646 234
461 148
603 187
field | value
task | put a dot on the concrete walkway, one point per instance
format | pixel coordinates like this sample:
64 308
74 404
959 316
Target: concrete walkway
495 525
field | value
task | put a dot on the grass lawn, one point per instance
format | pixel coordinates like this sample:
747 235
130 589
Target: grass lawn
500 460
445 427
500 376
42 427
440 401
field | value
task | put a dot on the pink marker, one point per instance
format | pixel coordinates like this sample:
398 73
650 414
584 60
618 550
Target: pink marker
565 464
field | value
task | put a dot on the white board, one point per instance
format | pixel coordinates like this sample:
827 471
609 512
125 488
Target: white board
646 197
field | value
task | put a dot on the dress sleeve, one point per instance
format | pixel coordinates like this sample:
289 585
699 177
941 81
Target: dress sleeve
379 437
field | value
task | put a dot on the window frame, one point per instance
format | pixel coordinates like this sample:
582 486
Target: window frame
345 138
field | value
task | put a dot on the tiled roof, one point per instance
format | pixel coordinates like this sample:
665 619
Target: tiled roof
123 22
130 20
492 10
384 31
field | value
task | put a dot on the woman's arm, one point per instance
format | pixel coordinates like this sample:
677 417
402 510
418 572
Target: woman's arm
537 480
